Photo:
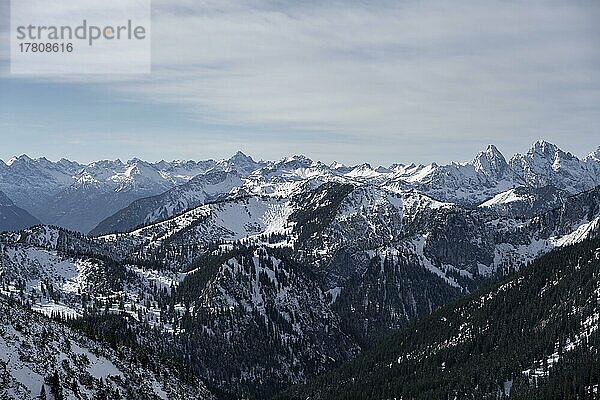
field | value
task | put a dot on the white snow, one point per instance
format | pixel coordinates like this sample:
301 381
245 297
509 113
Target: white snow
18 369
581 233
503 198
334 292
98 367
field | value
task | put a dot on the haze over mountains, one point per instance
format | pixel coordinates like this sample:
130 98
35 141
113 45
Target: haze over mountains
13 218
110 196
77 196
251 276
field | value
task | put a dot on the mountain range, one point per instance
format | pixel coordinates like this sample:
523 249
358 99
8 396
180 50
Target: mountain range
77 196
253 277
112 196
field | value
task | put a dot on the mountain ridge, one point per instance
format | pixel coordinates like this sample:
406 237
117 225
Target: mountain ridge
13 217
472 184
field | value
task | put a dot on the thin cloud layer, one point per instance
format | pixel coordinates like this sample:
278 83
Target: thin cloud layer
494 71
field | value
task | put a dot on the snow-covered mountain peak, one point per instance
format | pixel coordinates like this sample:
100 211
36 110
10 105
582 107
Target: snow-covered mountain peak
548 151
491 162
363 171
23 158
26 163
85 178
140 168
543 146
493 151
405 169
418 173
184 170
297 159
593 156
288 165
339 168
240 163
364 166
546 164
240 156
285 254
105 164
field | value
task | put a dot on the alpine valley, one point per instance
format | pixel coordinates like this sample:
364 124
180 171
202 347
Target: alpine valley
245 279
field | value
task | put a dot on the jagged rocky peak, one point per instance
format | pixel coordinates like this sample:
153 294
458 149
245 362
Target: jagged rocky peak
136 162
297 157
364 170
491 162
240 156
361 168
338 167
549 151
106 164
24 159
20 161
383 170
69 165
545 163
139 167
240 163
295 161
593 156
364 166
544 147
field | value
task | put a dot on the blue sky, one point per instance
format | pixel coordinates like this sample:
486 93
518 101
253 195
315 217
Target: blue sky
381 82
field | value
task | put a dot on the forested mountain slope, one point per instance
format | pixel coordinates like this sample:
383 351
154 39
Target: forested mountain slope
38 355
532 336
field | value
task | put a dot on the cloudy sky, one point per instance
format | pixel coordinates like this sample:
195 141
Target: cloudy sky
381 82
